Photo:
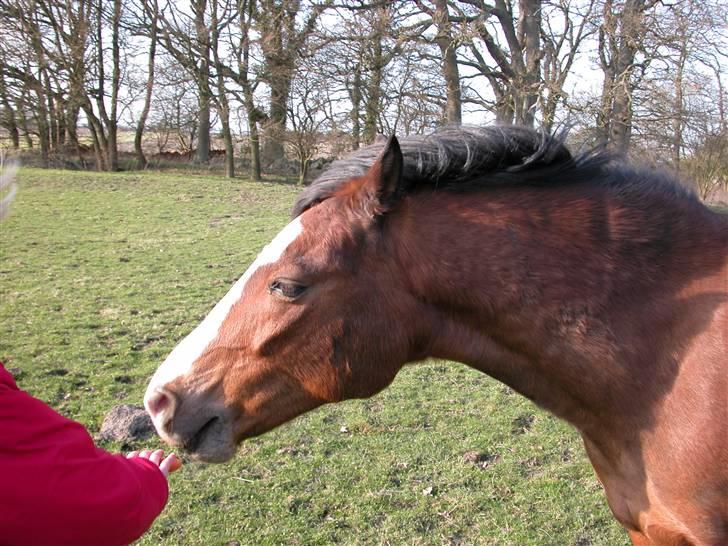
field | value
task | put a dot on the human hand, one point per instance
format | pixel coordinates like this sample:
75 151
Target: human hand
166 465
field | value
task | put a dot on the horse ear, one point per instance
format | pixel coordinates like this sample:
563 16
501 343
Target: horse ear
386 175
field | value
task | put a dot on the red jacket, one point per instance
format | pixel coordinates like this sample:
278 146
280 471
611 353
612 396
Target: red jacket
57 487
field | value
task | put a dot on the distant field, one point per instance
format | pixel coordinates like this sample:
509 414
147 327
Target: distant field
101 275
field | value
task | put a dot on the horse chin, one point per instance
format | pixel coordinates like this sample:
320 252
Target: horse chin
214 454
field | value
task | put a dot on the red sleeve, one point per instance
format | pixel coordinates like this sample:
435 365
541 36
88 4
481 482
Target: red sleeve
57 487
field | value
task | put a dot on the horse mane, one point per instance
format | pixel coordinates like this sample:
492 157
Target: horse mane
468 159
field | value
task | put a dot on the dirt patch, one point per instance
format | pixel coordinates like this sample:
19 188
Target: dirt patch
481 460
224 219
126 423
522 424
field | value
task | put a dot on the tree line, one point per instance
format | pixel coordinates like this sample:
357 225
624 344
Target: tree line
277 79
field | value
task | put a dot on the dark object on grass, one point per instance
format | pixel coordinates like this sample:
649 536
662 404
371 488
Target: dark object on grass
126 423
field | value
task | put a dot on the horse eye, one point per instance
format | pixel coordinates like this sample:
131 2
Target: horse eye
286 289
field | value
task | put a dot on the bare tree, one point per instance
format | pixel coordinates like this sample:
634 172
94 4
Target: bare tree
512 65
282 41
110 117
621 36
33 71
175 107
707 165
148 25
8 118
307 112
248 83
564 29
220 18
202 33
450 70
186 38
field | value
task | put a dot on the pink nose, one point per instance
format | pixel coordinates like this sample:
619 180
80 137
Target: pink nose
160 405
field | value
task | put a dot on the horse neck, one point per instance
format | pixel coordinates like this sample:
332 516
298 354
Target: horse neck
535 287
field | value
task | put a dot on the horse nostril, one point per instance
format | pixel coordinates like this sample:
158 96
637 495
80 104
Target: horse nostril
160 402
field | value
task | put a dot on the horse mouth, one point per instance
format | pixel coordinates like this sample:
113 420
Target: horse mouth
211 443
194 442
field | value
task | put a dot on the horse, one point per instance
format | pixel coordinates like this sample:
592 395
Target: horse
594 287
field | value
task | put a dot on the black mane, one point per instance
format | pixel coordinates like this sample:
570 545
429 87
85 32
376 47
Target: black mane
471 158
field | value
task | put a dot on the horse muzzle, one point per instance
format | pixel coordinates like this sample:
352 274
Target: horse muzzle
198 428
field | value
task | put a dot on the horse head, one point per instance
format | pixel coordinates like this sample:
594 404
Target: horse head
320 316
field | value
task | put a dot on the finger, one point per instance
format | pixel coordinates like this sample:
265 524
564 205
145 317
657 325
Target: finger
170 464
176 464
132 454
156 456
145 453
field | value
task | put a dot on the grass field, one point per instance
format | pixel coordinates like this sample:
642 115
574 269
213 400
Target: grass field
101 275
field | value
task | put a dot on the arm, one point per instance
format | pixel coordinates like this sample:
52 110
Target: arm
57 487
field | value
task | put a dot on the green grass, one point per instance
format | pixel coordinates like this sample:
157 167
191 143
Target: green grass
101 275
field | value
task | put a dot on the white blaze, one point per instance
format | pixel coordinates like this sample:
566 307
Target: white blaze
180 360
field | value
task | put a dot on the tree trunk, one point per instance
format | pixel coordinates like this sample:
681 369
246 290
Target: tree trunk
203 81
278 76
530 29
620 132
9 122
113 122
228 140
99 151
677 121
516 84
51 109
104 126
253 116
139 133
223 106
281 44
41 115
302 170
203 137
246 10
504 110
605 108
41 118
14 134
23 118
71 112
98 137
76 44
355 95
722 119
373 105
549 111
255 172
679 106
61 121
273 149
112 149
450 70
72 124
12 129
619 39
